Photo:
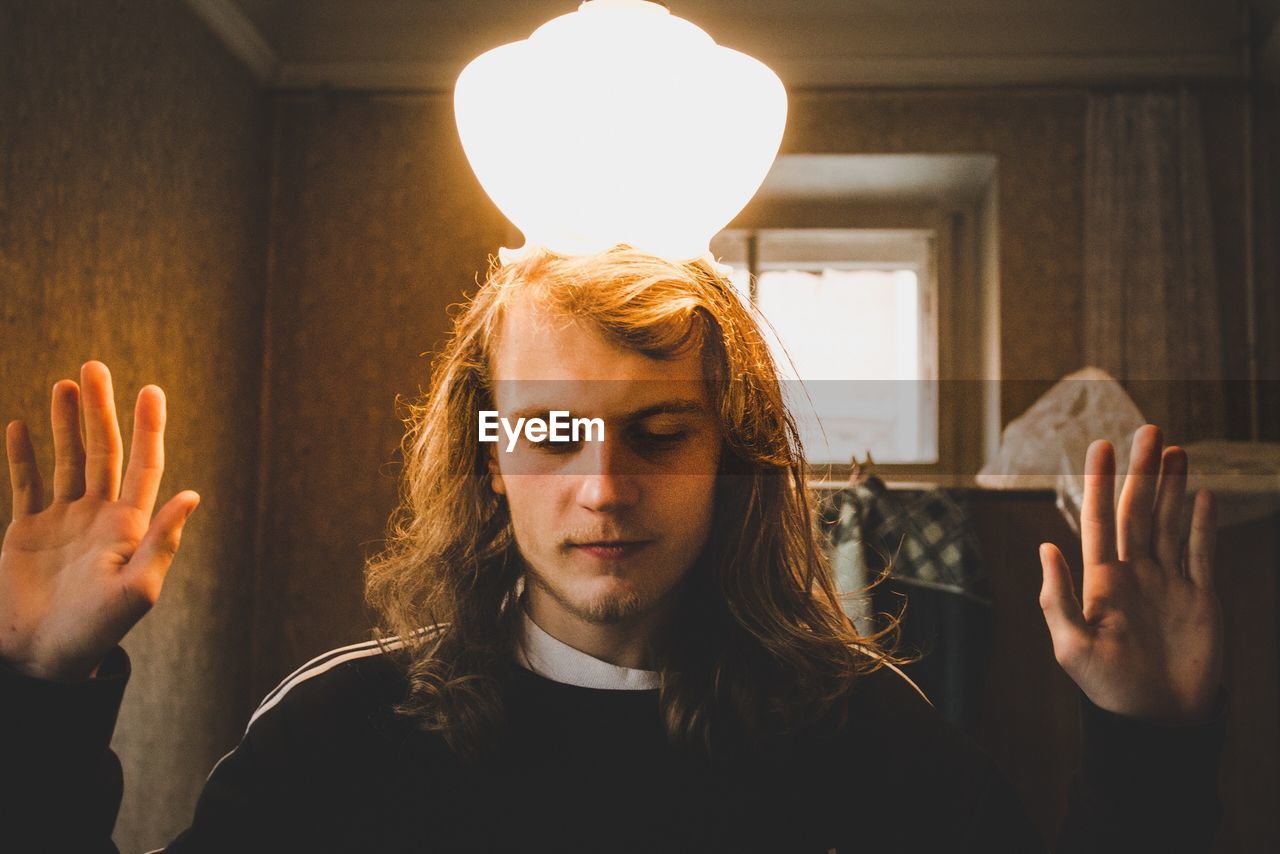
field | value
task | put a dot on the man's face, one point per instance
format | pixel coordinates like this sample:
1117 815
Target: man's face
606 528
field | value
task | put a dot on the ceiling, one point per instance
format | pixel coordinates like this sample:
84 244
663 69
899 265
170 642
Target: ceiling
423 44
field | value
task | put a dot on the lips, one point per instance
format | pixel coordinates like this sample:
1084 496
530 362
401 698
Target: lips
612 549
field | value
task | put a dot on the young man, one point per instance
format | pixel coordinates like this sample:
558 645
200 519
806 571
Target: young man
627 643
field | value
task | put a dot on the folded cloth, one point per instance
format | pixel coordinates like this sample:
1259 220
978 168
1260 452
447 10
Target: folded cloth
925 532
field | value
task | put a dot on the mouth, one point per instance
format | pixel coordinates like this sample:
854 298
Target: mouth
612 549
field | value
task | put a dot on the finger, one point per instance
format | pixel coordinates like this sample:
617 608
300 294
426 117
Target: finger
1167 540
68 449
1137 498
1204 537
146 451
149 565
1062 611
104 451
1097 510
24 474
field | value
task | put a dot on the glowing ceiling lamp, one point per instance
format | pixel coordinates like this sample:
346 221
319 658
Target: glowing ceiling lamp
619 123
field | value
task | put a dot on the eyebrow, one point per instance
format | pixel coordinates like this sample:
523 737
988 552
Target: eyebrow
675 406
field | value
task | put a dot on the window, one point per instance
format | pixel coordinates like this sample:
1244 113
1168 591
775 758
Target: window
851 320
880 275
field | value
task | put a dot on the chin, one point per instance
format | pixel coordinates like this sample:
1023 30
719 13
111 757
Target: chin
616 603
611 610
604 599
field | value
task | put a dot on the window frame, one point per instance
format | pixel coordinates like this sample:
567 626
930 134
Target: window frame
956 290
852 249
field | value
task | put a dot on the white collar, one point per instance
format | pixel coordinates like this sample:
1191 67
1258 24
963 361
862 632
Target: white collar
559 662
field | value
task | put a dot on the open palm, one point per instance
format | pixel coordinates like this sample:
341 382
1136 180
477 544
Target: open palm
77 575
1147 641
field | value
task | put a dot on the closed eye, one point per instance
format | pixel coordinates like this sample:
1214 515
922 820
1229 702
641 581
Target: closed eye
661 440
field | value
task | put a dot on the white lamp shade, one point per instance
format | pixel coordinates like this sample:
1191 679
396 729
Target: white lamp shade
619 123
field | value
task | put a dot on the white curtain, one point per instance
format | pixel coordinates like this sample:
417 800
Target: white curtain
1151 289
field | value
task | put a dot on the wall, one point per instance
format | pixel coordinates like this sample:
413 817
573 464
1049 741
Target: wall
378 226
1038 137
1222 109
1266 237
133 185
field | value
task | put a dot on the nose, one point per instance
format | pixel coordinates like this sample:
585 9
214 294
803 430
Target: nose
606 485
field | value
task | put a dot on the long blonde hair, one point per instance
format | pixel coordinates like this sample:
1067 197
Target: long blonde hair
758 644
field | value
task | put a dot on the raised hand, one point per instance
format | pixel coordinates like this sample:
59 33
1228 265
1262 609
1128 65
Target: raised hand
1148 640
77 575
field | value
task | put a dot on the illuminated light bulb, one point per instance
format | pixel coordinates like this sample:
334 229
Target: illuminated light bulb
619 123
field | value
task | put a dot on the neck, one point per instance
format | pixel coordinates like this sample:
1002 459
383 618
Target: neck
628 642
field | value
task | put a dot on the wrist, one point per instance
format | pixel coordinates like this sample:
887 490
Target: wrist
1120 748
1199 713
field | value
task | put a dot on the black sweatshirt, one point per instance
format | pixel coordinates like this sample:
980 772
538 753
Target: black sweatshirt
326 766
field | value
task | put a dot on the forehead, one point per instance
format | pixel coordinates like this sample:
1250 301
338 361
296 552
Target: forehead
544 356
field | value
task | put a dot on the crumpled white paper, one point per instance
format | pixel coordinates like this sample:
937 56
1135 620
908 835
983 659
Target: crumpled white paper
1044 448
1051 437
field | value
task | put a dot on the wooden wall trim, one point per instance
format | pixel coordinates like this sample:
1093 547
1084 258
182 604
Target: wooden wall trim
829 72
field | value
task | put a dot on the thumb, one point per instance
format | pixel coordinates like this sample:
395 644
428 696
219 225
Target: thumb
150 563
1058 600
